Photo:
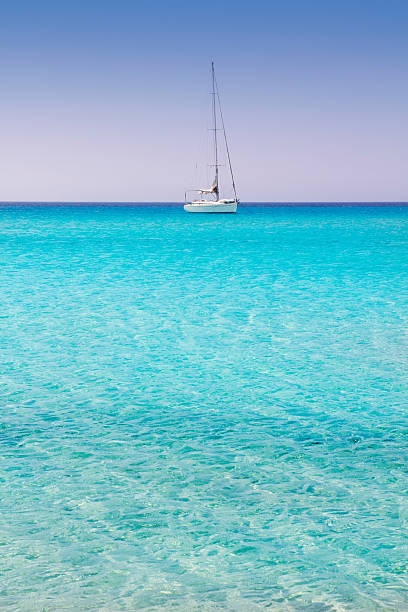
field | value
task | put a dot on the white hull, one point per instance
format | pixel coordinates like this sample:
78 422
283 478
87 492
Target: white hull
211 207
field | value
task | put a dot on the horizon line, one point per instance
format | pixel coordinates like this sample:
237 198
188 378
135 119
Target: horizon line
243 204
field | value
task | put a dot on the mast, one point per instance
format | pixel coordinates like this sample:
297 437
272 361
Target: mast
213 93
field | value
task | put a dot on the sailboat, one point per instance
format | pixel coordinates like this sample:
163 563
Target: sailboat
209 200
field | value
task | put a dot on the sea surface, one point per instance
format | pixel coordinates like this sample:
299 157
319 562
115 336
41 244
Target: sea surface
203 413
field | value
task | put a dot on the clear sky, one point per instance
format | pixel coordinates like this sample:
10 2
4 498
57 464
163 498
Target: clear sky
108 100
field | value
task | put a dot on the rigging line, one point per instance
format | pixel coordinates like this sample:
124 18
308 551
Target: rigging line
225 136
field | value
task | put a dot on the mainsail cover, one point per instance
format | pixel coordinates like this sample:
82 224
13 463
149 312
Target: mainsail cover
213 188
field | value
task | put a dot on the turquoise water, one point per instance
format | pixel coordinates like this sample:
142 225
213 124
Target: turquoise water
204 412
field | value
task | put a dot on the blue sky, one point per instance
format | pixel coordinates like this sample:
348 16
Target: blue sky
108 101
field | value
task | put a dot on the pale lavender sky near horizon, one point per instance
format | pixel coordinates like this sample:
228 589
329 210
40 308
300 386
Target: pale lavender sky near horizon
109 101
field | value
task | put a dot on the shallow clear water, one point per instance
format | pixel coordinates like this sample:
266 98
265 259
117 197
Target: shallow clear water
204 412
